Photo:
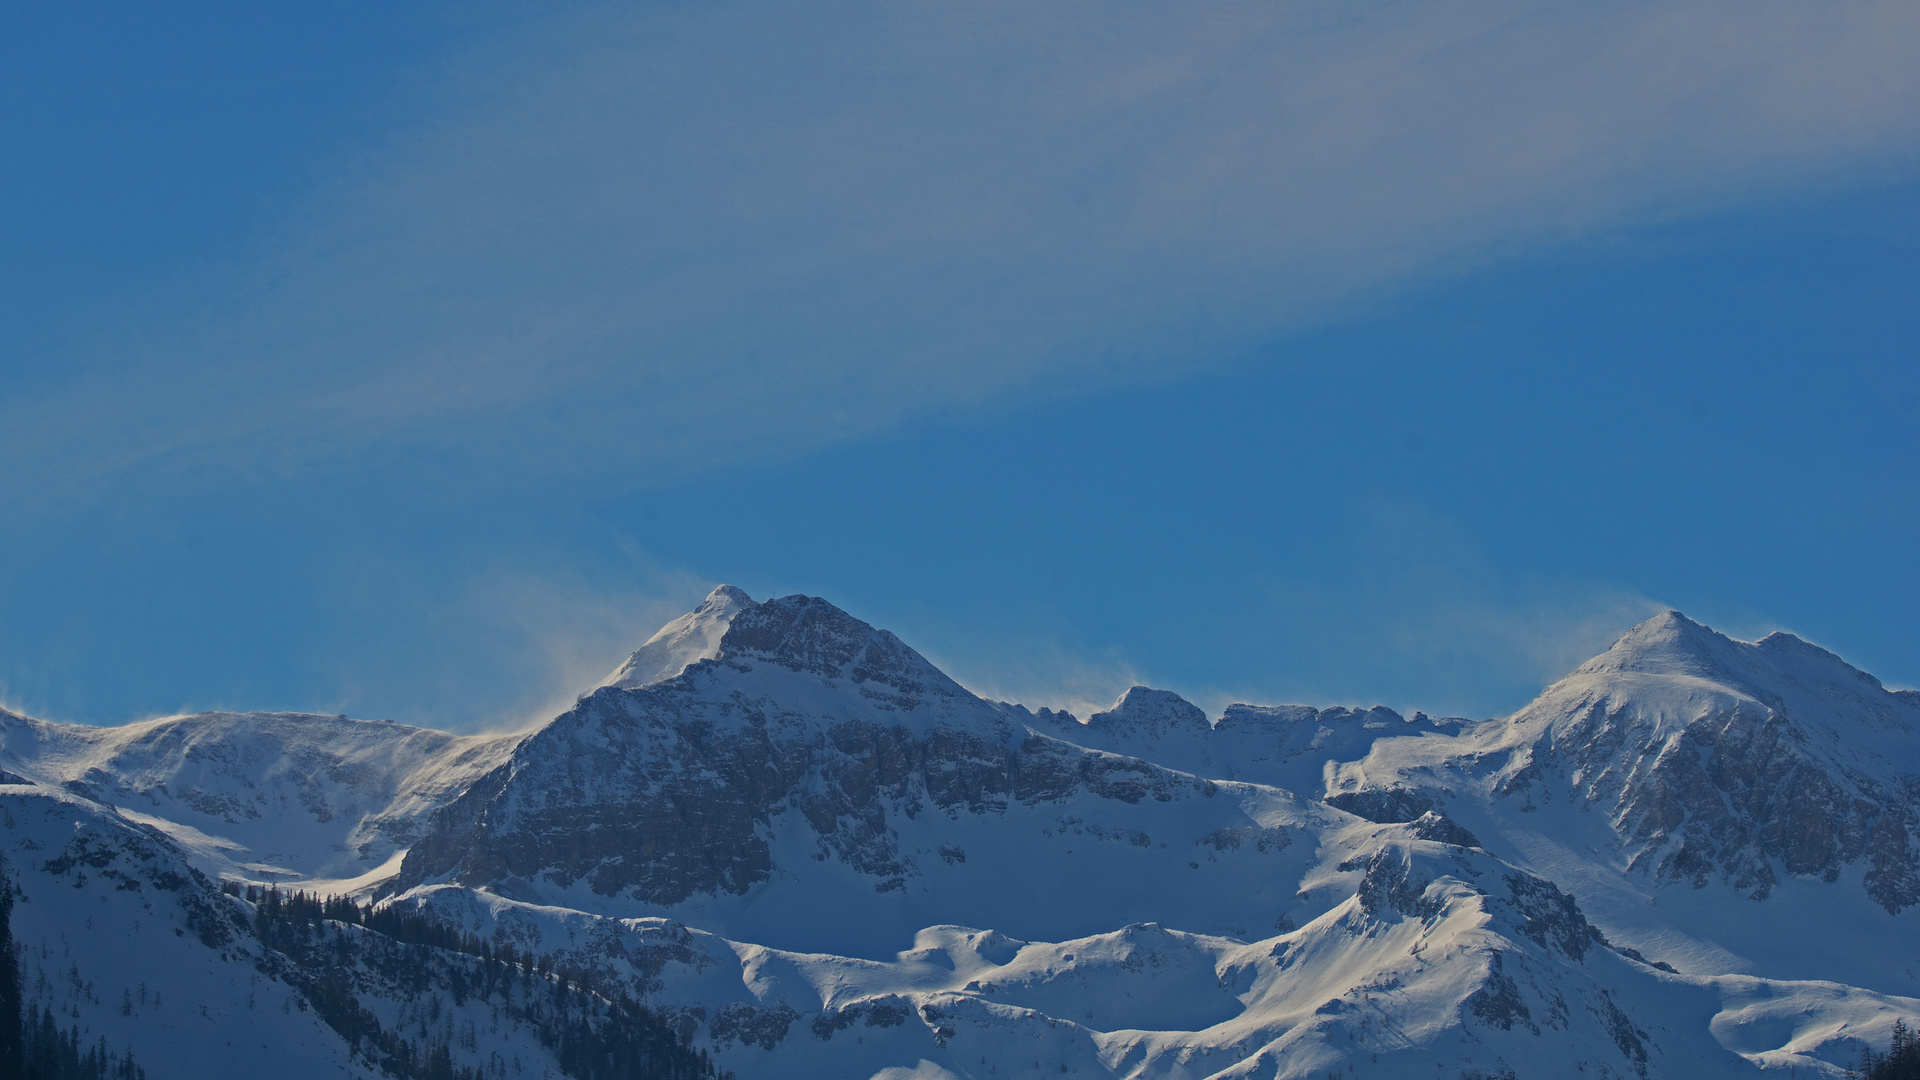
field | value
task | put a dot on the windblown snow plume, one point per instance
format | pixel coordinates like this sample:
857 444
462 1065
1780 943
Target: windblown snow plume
779 842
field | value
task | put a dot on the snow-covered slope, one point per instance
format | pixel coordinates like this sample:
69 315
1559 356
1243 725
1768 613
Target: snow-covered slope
1709 798
264 796
818 785
688 639
1440 960
1285 746
134 951
124 939
816 855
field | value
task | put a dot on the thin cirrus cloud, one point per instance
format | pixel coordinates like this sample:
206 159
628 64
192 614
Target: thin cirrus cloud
653 241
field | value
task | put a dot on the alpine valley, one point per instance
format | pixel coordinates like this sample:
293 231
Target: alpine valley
779 843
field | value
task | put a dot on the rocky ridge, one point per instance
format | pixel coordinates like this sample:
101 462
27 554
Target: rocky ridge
817 855
1715 761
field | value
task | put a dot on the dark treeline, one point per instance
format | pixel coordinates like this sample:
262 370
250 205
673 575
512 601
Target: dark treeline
47 1053
32 1044
593 1035
1900 1062
277 910
10 981
332 945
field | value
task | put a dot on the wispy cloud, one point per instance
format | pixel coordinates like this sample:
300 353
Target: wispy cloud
573 630
1047 674
640 243
1412 612
501 648
1441 638
1424 618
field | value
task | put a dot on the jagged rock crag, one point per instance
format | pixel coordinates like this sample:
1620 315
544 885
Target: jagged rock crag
667 790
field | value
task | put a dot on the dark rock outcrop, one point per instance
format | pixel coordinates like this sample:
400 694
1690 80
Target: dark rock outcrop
1386 807
668 790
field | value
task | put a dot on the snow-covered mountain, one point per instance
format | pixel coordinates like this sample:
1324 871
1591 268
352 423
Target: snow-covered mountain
808 852
1709 800
267 796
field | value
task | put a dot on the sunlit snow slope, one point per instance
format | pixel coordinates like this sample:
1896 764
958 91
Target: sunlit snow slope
815 855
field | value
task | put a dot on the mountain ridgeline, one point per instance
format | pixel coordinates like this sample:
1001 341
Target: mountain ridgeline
778 842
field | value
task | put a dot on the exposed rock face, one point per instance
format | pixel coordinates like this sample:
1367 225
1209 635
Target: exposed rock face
1736 794
1714 759
1543 968
1442 830
1279 745
1722 759
669 789
1302 727
1383 805
1296 889
1443 961
1145 713
1287 745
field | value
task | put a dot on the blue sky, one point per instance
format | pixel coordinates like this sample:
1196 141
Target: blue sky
417 361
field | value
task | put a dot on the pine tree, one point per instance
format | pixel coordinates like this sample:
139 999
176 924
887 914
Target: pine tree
11 1050
1900 1062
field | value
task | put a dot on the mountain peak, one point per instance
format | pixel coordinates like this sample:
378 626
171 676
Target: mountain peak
726 594
806 633
686 640
1672 644
1667 644
1143 710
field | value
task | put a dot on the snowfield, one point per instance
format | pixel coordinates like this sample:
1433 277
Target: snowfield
810 853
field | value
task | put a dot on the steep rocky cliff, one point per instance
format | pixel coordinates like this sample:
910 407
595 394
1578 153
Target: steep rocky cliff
663 790
1714 760
811 853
